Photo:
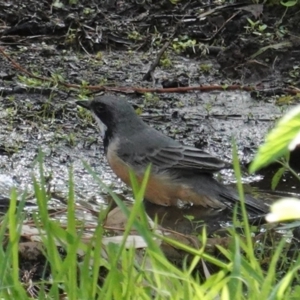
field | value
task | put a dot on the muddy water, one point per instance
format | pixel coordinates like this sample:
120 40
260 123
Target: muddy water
29 122
210 119
206 120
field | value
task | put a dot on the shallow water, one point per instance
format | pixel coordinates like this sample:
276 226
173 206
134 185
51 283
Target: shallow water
29 123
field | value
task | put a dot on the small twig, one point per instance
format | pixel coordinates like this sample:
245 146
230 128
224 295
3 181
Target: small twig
19 67
140 90
220 29
207 88
148 75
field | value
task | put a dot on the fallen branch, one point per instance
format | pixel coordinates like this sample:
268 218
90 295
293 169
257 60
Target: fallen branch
142 90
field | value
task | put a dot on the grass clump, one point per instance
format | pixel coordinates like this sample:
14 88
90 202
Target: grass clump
81 265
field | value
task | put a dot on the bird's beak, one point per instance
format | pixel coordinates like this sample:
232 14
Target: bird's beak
84 104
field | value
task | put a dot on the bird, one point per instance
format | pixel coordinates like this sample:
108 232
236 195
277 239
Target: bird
180 174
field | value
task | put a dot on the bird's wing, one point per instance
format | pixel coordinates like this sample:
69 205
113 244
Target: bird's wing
180 157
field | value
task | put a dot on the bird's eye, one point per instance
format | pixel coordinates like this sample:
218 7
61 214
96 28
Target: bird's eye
100 108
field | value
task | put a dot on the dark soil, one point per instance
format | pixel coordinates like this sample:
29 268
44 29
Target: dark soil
112 44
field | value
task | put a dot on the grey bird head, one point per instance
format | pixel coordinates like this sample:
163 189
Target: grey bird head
114 115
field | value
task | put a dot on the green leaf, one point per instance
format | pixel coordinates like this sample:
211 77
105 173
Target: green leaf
284 137
276 178
289 3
